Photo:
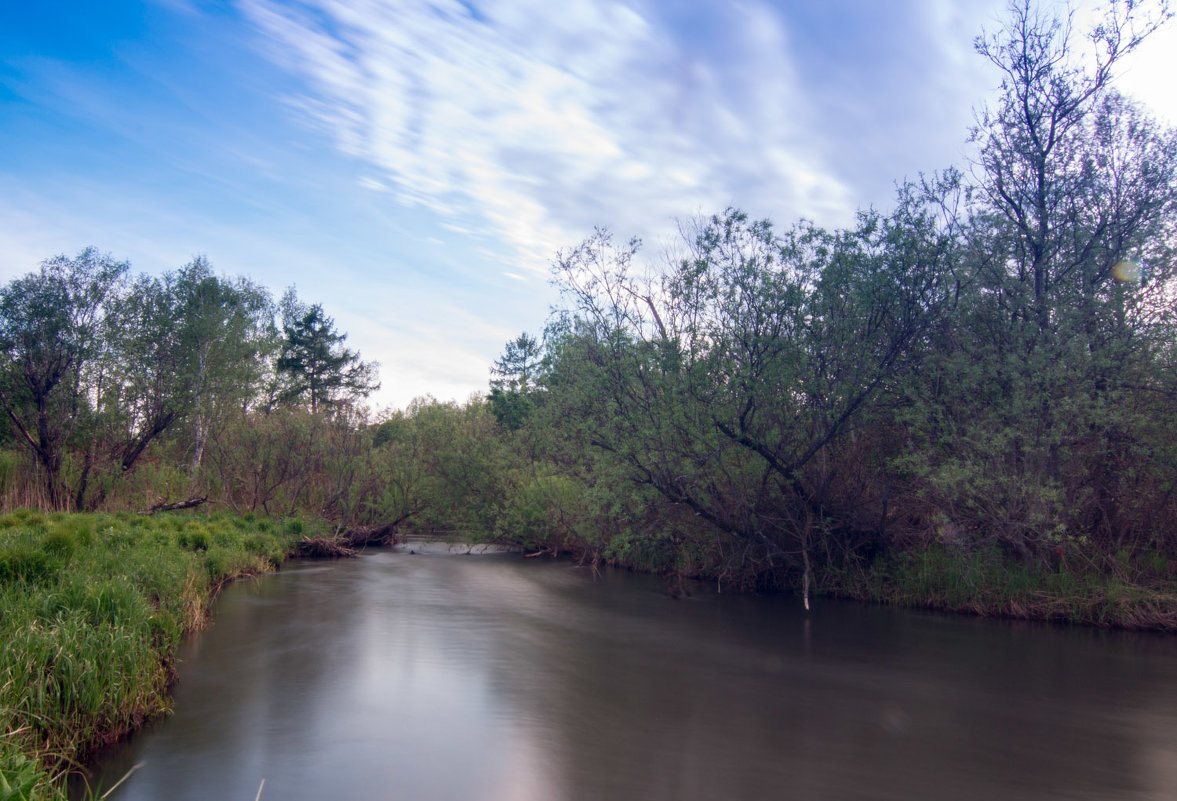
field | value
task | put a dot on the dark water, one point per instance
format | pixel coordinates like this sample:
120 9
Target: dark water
439 676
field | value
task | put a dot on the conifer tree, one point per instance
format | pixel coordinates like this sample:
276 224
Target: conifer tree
316 367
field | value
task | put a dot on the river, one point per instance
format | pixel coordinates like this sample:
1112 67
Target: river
439 676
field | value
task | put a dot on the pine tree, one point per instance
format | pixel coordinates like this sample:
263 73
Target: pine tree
316 366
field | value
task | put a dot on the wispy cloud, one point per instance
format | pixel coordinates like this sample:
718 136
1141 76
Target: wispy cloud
469 141
534 121
425 342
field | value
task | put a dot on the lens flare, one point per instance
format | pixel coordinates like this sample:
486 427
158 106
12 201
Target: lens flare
1129 272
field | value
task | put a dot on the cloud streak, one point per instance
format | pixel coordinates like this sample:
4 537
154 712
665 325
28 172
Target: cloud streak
533 121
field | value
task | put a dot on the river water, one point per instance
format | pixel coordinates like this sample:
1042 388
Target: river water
439 676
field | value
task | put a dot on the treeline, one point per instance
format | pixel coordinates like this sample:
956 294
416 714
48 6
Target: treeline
986 373
983 375
124 390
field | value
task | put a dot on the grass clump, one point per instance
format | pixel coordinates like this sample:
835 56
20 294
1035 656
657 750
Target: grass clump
92 608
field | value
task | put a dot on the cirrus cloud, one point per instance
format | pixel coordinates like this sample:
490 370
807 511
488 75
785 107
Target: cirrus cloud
530 122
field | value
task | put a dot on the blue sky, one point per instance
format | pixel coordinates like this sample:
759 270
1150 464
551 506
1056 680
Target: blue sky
414 166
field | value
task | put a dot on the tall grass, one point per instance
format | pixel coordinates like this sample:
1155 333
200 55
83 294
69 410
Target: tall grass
92 608
987 583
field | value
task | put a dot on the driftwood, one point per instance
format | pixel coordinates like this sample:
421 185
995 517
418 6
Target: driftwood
171 507
370 535
322 548
344 545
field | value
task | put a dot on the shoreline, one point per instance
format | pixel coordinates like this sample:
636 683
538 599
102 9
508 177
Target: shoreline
93 609
148 584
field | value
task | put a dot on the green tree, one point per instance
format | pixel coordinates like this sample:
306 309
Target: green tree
265 461
49 333
176 350
1076 175
1032 420
138 385
727 381
229 335
513 381
516 369
315 366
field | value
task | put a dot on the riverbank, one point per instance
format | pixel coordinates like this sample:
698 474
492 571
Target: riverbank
1135 591
92 609
1128 593
346 679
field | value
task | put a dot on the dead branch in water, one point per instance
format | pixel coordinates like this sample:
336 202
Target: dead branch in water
346 544
322 548
370 535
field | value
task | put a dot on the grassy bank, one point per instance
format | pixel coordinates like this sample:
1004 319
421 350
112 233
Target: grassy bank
1130 592
92 608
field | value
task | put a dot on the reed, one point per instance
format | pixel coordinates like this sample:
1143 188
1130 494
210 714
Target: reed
92 608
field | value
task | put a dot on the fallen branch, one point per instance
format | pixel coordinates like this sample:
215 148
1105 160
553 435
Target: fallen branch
171 507
362 536
322 548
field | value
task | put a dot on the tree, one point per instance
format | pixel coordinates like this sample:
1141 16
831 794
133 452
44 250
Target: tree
1048 375
1031 424
516 369
228 331
1075 174
265 461
314 363
727 382
49 332
514 375
175 350
138 386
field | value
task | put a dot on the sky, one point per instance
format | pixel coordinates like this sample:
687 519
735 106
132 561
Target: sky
414 166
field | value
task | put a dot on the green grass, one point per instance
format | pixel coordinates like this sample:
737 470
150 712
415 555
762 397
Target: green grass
92 608
987 584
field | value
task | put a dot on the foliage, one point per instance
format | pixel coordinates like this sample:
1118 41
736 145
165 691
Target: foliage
511 397
102 372
766 406
985 583
964 370
313 362
91 610
726 382
49 334
1037 422
230 337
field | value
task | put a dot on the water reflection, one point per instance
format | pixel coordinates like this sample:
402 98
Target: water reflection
441 676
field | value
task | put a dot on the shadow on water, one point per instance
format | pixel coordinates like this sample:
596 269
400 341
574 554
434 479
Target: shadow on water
447 676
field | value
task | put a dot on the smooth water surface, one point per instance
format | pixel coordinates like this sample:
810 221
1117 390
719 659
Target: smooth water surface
446 676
